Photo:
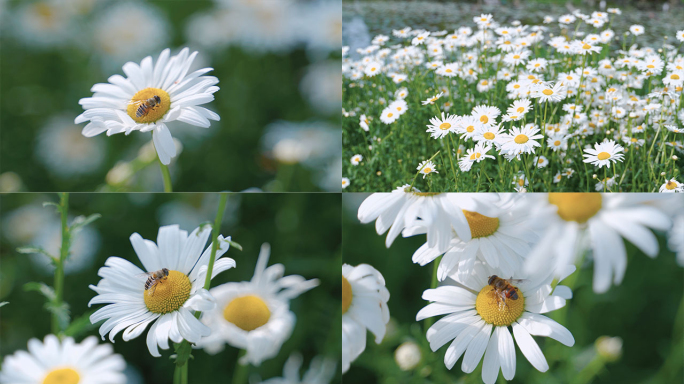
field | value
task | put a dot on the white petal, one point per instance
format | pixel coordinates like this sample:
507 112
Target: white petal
201 301
476 349
490 364
163 143
506 353
529 348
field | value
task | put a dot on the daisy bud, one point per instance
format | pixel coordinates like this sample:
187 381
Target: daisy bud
674 157
593 176
663 173
407 356
609 348
378 173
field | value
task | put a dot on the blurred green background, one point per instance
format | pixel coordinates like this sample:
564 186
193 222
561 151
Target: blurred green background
44 73
303 231
646 311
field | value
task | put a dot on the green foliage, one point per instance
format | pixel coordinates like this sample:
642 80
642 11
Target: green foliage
52 304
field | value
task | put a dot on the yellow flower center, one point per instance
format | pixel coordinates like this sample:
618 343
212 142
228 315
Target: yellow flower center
373 69
427 170
390 114
634 139
547 92
521 139
485 82
62 376
398 109
488 136
470 128
481 225
540 161
445 126
556 143
484 119
516 56
520 109
586 46
169 294
493 310
674 76
671 185
247 312
516 86
650 66
346 295
448 71
579 207
139 108
603 156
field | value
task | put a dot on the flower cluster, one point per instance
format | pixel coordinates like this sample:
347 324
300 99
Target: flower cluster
544 98
500 259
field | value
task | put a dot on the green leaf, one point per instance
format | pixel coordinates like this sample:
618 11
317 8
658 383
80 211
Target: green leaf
60 310
80 325
33 249
233 244
204 225
43 288
4 303
81 221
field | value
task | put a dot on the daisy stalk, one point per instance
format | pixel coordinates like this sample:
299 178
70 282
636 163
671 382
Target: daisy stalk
63 253
184 349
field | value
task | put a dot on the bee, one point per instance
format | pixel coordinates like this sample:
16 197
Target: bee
504 289
154 278
145 106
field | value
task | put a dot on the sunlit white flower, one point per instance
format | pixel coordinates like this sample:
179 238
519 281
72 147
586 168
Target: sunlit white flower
521 140
439 128
407 355
55 361
575 222
604 153
345 183
636 29
433 99
427 167
356 159
477 323
254 315
671 186
170 305
364 307
116 106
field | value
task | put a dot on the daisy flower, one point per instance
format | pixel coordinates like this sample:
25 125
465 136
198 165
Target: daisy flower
557 143
468 126
372 68
479 324
521 140
432 99
575 222
254 315
427 167
520 107
680 35
440 214
125 104
345 183
474 155
553 94
489 135
364 306
671 186
536 65
604 153
168 306
584 48
356 159
399 106
502 239
60 362
485 114
321 371
389 115
439 128
636 29
541 161
420 38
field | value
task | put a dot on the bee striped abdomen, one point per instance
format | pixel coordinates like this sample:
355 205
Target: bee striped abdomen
142 110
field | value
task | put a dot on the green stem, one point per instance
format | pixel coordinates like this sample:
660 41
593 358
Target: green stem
63 254
433 285
166 175
180 375
240 372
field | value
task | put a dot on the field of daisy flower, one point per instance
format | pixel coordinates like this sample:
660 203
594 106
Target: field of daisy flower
562 101
298 330
597 281
248 107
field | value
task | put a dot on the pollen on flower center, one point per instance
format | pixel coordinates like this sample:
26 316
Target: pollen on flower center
670 185
148 114
445 126
488 135
470 128
484 119
603 156
427 170
481 225
547 92
169 294
521 139
346 295
495 311
578 207
62 376
247 312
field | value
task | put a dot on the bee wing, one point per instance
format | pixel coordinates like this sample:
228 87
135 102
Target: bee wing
136 102
144 275
517 281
